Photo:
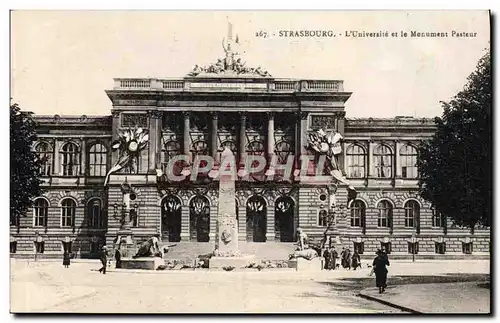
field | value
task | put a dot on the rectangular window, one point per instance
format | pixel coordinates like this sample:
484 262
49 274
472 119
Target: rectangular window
438 220
322 218
13 246
359 247
467 248
440 248
386 246
413 248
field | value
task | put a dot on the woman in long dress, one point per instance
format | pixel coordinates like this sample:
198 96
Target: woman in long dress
379 268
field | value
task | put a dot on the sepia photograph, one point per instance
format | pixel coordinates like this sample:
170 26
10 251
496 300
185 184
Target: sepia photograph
250 162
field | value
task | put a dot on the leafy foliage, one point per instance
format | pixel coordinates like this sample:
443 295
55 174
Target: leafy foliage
24 164
456 164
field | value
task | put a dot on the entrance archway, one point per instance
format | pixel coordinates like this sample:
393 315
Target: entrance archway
284 209
199 219
171 219
256 219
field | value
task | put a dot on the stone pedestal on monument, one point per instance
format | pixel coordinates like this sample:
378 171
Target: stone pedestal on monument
226 253
301 264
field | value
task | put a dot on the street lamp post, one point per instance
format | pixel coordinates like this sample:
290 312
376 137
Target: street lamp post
37 236
413 242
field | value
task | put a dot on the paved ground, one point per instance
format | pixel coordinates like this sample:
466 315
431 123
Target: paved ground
48 287
469 297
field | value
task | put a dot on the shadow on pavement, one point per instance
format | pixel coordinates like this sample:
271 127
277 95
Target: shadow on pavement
356 284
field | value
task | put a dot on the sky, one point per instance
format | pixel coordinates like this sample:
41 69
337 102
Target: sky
63 61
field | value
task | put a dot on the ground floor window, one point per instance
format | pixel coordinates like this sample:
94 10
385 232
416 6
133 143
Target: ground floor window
359 247
413 248
386 247
440 248
13 246
467 248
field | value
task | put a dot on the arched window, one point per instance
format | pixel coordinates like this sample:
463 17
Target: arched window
68 209
199 147
170 149
355 161
97 160
44 152
412 213
94 213
358 210
255 148
383 161
40 212
283 150
408 156
70 159
384 214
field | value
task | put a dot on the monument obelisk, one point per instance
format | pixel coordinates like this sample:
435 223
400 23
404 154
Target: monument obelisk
226 253
226 244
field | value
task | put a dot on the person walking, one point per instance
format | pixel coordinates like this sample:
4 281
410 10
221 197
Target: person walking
104 260
356 260
327 257
379 268
335 255
348 259
118 259
66 259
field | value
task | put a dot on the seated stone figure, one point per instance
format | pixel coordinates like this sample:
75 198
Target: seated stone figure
149 248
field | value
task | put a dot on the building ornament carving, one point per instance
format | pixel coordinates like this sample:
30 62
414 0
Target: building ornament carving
231 64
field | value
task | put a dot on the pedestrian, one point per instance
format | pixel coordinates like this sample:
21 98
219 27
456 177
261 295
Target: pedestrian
104 258
348 259
379 268
327 256
335 255
118 258
66 259
356 260
343 255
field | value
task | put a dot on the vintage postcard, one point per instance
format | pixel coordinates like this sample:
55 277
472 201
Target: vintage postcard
250 162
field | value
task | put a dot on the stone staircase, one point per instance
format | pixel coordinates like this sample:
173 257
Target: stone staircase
262 251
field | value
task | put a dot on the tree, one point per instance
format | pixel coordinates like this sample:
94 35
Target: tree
455 165
24 164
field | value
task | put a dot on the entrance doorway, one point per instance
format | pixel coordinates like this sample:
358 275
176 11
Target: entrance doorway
199 219
284 215
256 219
171 219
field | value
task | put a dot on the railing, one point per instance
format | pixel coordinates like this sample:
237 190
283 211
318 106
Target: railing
135 83
324 85
222 84
285 86
173 84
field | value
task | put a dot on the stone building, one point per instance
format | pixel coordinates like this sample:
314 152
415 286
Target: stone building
252 113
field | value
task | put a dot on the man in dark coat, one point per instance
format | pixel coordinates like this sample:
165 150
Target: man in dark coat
356 260
379 268
104 260
66 259
328 258
118 259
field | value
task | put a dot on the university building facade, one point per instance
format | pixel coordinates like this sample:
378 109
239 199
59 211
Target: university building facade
251 113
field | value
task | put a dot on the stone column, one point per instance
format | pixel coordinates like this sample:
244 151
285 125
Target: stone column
397 167
270 134
83 156
303 132
213 136
154 139
243 137
340 122
371 166
186 137
55 162
115 129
